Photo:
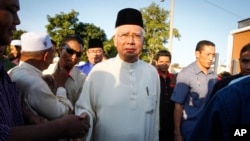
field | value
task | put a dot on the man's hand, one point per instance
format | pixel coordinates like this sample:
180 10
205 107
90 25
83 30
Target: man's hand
60 76
76 126
31 118
50 81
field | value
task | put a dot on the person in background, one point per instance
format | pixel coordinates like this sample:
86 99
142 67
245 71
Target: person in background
227 111
71 50
121 95
7 64
12 126
94 54
244 70
223 75
15 51
192 89
162 63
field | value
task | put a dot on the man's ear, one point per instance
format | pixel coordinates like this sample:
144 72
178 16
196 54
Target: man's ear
45 56
155 62
60 50
114 40
197 54
87 53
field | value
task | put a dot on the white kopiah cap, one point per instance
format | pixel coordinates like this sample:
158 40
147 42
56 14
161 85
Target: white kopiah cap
35 41
15 43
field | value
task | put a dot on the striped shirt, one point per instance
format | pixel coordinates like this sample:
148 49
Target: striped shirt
10 107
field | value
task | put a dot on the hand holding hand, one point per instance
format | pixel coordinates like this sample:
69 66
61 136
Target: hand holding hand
31 118
76 126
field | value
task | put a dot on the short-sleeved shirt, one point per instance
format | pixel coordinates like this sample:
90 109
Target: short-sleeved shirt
192 90
86 68
10 107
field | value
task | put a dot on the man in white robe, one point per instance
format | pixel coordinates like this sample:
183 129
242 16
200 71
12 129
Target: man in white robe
121 94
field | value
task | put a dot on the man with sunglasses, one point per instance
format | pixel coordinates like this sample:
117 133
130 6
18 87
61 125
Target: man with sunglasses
70 53
94 54
244 62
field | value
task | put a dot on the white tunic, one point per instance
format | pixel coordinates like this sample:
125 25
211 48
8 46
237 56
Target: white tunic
122 99
36 94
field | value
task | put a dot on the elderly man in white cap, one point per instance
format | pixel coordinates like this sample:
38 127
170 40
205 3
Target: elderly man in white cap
15 51
37 54
121 94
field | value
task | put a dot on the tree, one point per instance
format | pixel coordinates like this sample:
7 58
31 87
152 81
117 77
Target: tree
109 48
61 25
157 30
17 34
64 24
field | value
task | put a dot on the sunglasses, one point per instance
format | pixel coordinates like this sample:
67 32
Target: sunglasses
71 51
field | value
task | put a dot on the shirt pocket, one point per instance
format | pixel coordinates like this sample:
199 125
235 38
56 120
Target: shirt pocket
150 103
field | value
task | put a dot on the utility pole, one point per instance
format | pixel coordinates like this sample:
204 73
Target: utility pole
171 15
170 40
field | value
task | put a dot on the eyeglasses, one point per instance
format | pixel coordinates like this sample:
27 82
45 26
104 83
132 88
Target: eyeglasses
71 51
94 51
126 36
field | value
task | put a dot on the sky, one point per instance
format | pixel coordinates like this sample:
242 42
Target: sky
195 20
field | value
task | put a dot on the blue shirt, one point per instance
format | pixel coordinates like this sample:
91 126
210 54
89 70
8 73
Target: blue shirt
10 107
86 68
192 90
230 106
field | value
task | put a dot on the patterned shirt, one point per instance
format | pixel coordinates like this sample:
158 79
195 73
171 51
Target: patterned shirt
10 107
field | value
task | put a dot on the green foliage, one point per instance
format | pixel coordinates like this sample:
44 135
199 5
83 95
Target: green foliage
109 48
17 34
157 31
61 25
156 24
67 23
